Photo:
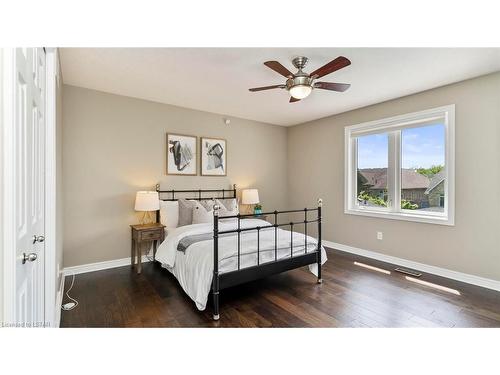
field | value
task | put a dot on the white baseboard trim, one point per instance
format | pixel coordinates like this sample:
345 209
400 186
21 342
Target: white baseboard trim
91 267
59 299
450 274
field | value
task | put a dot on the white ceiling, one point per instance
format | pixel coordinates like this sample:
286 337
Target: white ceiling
217 79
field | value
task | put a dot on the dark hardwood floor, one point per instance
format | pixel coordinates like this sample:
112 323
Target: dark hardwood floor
350 296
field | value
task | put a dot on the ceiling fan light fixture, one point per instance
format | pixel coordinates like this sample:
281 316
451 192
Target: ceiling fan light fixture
300 91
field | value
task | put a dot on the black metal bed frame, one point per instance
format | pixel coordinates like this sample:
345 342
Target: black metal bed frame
242 275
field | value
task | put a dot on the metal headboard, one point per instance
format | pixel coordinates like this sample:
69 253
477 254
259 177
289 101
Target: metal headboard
201 194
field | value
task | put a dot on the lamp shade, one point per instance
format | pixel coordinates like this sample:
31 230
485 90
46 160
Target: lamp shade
147 201
250 196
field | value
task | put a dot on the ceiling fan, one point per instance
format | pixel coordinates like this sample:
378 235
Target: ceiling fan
301 84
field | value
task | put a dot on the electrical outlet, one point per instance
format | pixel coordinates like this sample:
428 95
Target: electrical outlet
380 236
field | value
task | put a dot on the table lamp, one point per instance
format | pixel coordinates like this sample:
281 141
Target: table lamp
251 196
147 201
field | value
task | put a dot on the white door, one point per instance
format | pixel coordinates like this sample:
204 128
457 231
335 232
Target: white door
29 145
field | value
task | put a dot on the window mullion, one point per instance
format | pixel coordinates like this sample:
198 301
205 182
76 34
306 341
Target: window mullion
394 171
397 168
354 170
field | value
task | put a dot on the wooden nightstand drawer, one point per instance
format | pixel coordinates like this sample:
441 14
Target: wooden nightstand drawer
151 235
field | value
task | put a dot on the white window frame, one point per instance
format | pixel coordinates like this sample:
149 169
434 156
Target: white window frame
393 126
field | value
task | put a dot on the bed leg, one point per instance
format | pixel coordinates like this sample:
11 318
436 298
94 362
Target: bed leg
216 306
320 280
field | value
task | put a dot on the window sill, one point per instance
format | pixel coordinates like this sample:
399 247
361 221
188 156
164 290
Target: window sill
429 219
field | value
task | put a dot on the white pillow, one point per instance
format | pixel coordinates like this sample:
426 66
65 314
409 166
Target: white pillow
185 211
169 214
203 213
228 207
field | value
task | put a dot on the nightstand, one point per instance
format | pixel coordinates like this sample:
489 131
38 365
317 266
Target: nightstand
145 233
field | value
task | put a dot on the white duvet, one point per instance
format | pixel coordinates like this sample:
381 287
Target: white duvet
194 267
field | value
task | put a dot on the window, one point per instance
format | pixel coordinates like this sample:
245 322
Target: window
372 165
423 168
402 167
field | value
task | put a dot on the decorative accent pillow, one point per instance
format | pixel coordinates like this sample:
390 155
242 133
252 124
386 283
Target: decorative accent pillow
228 207
203 212
185 212
208 204
169 214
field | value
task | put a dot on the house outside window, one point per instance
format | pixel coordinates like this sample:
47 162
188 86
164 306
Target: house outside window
402 167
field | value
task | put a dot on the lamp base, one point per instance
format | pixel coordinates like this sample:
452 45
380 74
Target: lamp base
146 218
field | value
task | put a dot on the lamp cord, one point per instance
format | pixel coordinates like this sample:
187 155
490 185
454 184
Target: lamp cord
67 295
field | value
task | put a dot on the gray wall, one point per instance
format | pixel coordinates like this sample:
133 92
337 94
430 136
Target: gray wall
114 146
316 168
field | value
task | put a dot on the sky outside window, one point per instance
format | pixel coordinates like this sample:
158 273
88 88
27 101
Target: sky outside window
423 147
373 151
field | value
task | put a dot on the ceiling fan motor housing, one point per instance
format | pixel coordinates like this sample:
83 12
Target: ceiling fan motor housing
300 62
300 78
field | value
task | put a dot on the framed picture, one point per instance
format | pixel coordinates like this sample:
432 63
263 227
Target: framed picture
213 157
182 154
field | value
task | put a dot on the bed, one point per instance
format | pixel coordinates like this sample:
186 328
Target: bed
209 257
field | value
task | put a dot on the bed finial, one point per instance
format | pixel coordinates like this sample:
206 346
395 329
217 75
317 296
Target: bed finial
320 202
216 209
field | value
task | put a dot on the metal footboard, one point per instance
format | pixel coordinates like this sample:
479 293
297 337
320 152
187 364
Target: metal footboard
241 275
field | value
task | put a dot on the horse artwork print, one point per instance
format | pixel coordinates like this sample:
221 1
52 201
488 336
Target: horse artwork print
213 157
181 154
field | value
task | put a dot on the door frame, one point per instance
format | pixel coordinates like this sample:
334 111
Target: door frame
9 189
8 196
51 269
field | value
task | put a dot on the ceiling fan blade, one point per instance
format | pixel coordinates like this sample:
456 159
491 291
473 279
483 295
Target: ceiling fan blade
341 87
267 88
334 65
293 100
278 68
